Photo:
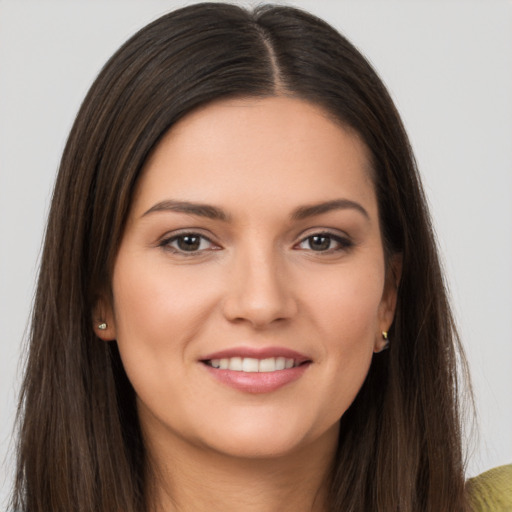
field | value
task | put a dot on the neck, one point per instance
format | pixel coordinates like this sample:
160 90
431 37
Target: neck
194 479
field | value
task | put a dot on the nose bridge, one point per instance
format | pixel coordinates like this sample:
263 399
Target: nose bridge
259 291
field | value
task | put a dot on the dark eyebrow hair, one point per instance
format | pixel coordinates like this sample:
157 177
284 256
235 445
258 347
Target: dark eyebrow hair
215 213
304 212
203 210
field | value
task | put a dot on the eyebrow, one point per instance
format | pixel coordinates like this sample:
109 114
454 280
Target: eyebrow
199 209
215 213
303 212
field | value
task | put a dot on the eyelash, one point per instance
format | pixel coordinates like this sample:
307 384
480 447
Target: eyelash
166 243
343 243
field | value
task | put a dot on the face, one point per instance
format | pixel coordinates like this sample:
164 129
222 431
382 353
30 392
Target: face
250 288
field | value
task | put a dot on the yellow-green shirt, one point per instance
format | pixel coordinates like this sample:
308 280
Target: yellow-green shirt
491 491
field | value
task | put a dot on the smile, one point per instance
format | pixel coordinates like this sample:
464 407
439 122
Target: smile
256 370
253 365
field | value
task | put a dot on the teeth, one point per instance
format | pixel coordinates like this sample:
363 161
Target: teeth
235 364
268 365
280 363
252 365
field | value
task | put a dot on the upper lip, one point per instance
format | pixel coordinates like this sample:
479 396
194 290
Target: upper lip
257 353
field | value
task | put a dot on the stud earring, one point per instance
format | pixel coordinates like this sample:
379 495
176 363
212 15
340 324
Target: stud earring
102 326
386 339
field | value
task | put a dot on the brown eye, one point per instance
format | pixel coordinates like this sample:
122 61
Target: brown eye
319 242
188 242
191 243
325 242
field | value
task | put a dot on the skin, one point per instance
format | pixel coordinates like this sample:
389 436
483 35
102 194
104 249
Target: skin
255 280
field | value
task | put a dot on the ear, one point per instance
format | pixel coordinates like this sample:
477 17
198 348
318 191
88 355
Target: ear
387 305
103 320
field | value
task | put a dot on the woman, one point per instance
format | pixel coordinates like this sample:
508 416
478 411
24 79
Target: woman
234 197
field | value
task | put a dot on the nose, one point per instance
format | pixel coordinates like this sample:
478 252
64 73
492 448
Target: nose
260 292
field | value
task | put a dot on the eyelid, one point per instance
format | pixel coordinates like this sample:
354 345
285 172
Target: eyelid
165 241
344 240
335 233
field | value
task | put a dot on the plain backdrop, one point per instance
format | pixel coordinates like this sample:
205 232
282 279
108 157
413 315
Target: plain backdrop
448 65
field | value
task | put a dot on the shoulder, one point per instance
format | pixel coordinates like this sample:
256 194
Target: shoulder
492 490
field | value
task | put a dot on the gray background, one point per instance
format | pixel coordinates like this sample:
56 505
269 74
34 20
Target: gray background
448 65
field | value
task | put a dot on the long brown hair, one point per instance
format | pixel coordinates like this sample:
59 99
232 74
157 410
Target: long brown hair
80 445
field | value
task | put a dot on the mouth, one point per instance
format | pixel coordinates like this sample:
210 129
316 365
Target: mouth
256 370
254 365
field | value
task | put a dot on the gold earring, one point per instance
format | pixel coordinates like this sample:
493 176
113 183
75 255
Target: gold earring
386 339
102 326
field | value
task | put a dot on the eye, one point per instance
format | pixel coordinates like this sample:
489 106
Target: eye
325 242
191 243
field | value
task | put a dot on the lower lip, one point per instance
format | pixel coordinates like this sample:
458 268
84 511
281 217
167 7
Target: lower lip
257 382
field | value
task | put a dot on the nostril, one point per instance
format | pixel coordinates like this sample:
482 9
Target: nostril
259 313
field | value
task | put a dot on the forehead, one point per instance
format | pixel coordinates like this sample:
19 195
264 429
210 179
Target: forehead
269 150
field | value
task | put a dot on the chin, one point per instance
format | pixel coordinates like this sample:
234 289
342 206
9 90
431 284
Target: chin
265 447
259 440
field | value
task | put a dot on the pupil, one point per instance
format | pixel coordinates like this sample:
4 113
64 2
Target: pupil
189 243
320 243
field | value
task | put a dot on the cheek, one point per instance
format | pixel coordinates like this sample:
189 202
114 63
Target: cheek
345 309
346 305
153 301
156 312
